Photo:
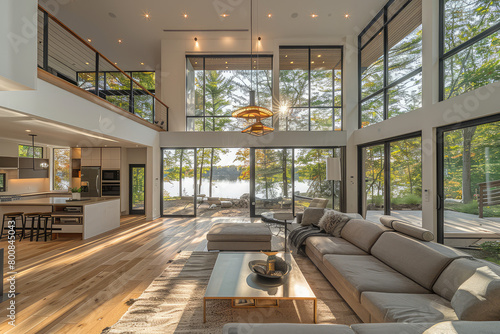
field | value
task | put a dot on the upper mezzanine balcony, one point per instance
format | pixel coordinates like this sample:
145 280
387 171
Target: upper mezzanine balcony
71 63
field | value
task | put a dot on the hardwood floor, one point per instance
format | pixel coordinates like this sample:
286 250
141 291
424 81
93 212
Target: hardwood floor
75 286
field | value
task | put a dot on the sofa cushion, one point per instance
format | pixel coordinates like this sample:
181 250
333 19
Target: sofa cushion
421 261
412 230
311 216
457 273
387 220
407 307
245 328
363 233
359 273
333 222
478 297
232 232
444 327
331 245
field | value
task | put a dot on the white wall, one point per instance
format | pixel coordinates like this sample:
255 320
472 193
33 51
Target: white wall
18 42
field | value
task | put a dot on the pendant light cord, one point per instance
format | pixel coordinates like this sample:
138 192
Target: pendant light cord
251 44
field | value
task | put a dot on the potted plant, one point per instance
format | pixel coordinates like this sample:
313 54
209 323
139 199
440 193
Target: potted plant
75 193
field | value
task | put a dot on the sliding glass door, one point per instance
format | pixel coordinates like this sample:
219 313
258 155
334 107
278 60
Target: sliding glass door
391 179
469 187
273 180
243 182
179 180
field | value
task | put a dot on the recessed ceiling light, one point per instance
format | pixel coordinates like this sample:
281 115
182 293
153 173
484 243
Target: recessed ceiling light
269 15
255 61
185 15
196 63
224 15
291 62
319 56
87 63
323 61
28 130
147 15
226 62
89 40
142 63
227 67
120 41
346 15
286 56
116 63
314 15
312 62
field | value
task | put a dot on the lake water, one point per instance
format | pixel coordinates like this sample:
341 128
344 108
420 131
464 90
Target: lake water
226 189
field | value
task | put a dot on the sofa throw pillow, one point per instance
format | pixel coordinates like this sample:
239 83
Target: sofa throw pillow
333 222
312 216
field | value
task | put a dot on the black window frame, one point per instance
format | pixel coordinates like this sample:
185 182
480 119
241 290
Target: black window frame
386 85
103 91
204 57
443 56
387 168
309 107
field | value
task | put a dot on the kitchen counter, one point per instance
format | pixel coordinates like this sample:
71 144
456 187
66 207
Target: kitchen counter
60 201
98 214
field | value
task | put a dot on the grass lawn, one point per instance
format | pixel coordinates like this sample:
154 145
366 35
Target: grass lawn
473 208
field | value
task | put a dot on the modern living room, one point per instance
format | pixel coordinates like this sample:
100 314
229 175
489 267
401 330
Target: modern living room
286 166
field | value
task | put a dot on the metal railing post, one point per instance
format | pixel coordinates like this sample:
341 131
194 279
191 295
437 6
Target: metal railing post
45 41
96 79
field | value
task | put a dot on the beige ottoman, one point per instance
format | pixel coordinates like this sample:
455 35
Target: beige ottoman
239 237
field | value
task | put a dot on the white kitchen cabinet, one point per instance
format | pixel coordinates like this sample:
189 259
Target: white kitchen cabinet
111 158
91 156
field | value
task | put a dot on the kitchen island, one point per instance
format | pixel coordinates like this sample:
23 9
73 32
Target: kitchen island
97 214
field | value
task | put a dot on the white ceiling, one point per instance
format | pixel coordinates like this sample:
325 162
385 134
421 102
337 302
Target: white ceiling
142 37
13 126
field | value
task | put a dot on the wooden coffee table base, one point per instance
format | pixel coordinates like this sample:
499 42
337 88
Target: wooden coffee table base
315 311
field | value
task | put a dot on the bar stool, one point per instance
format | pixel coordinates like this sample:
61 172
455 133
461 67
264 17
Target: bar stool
46 218
35 219
12 216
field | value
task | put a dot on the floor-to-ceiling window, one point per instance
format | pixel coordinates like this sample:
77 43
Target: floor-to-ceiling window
470 47
469 186
218 85
62 169
310 88
239 182
391 179
390 62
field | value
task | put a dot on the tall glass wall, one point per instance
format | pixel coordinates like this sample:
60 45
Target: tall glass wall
471 189
391 62
392 180
218 85
217 182
471 49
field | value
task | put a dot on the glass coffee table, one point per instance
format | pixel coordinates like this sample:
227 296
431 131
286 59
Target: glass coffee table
232 279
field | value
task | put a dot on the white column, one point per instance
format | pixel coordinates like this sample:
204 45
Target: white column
350 120
18 42
430 91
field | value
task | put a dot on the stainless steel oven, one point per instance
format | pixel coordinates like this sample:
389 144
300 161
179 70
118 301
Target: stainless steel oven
110 189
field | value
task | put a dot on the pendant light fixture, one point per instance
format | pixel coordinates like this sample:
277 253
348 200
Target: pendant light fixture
252 111
43 165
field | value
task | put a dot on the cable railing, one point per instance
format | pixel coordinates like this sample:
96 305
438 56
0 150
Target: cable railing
64 54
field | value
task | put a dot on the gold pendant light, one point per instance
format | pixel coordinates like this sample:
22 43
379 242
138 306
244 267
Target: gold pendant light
252 111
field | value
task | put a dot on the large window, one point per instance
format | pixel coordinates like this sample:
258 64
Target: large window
62 168
118 89
391 179
26 151
310 88
469 186
390 59
226 182
218 85
470 45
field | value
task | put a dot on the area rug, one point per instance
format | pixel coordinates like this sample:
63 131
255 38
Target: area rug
173 303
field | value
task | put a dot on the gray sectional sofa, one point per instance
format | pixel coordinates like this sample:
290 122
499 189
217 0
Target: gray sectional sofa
389 273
